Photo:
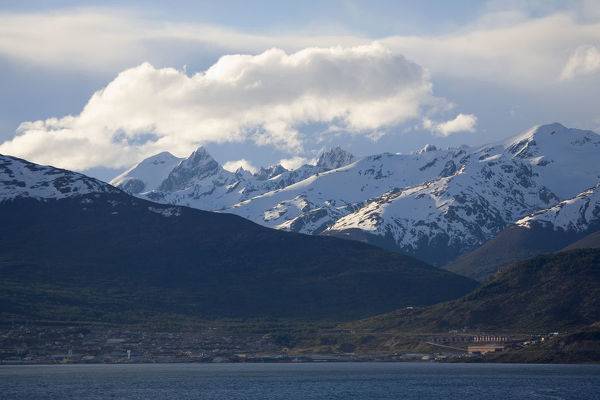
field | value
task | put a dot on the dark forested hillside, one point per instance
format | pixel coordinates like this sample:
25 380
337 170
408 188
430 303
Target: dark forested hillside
551 292
109 256
513 244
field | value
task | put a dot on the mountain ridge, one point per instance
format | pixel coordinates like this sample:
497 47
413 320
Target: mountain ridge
571 223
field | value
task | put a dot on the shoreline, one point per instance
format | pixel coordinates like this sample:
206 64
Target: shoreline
292 361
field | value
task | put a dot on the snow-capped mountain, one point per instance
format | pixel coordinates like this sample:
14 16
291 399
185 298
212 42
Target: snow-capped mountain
312 205
148 174
579 214
201 182
433 203
23 179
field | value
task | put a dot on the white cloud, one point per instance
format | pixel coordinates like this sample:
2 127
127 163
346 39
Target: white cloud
295 162
234 165
461 123
262 98
585 60
506 44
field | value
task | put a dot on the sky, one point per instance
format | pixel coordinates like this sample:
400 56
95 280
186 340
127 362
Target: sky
98 86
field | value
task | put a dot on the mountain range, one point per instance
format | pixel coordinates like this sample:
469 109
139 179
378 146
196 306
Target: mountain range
77 249
434 204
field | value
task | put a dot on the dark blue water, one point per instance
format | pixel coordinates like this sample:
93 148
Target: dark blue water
301 381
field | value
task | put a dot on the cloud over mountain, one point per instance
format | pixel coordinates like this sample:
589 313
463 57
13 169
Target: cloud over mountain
234 165
461 123
264 98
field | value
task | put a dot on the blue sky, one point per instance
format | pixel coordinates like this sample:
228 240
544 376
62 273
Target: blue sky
375 18
406 74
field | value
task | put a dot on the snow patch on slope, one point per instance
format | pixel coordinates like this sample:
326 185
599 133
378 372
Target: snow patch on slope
576 214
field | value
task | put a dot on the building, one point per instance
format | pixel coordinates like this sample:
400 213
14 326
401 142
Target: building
485 348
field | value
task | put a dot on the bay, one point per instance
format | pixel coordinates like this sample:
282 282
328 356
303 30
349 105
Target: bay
301 381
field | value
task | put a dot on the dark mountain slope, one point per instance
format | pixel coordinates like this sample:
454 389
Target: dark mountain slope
591 241
546 293
110 256
513 244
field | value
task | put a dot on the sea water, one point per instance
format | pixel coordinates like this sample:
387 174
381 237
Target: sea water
301 381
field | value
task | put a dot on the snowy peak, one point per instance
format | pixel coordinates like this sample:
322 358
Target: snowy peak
23 179
548 137
148 174
541 130
333 159
563 158
199 157
199 165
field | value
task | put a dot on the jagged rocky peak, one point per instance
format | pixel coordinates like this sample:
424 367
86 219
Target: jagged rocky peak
199 157
243 174
198 165
269 172
334 158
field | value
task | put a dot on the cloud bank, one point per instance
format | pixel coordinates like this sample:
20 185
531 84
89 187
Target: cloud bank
508 45
104 39
264 98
